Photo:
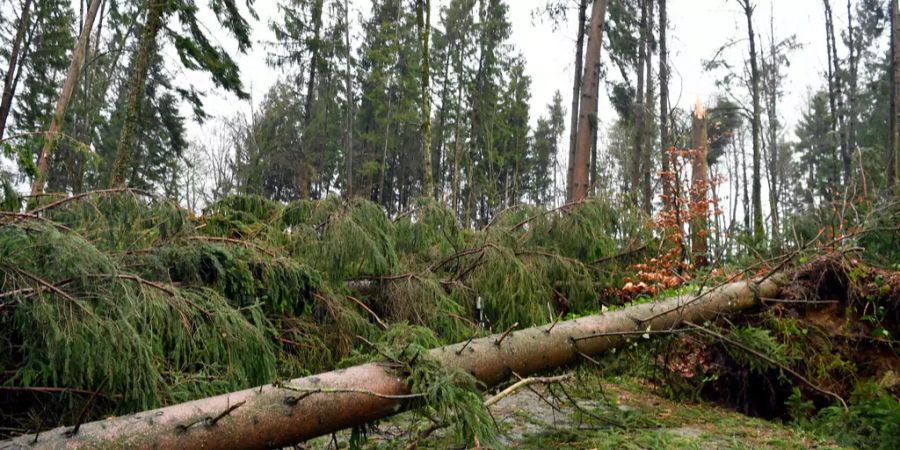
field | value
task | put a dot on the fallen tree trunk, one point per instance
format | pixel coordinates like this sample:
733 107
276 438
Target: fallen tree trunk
279 415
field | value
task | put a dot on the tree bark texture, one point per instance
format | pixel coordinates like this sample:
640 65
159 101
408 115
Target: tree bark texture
137 81
284 414
699 188
587 115
68 87
576 93
8 85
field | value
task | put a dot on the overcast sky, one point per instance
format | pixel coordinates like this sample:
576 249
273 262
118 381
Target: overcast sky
697 29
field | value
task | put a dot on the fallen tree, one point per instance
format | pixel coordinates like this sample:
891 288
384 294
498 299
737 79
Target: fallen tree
283 414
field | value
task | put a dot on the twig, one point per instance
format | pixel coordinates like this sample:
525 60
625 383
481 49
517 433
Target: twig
48 285
222 414
630 333
524 383
767 359
48 390
17 215
459 352
351 391
363 305
506 333
84 410
233 241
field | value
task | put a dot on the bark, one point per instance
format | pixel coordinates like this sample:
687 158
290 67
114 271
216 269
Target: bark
758 227
285 414
8 85
587 115
68 87
835 93
852 96
699 188
893 157
637 112
576 90
424 16
647 112
774 80
313 61
136 84
349 94
664 105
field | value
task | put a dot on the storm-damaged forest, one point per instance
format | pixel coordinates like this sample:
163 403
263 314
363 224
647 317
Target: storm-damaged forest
449 224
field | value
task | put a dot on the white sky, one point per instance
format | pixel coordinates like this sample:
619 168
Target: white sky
697 29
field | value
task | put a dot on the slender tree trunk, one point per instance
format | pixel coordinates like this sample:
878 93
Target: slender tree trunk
664 137
774 80
851 100
836 96
587 115
893 157
8 85
699 189
647 122
313 61
637 111
137 81
424 16
576 96
68 87
457 139
758 226
350 102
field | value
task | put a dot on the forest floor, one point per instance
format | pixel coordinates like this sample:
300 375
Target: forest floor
597 412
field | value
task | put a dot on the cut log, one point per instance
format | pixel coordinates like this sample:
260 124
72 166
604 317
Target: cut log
280 415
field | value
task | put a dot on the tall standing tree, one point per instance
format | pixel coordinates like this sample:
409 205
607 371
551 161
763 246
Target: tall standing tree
576 93
195 52
699 187
893 153
9 85
68 88
664 137
756 123
587 115
423 15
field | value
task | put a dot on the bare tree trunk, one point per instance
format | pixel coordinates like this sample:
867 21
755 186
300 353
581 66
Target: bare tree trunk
647 113
350 102
699 188
664 137
8 85
576 91
851 99
774 80
587 115
758 226
893 157
68 87
137 81
280 415
637 110
424 16
836 97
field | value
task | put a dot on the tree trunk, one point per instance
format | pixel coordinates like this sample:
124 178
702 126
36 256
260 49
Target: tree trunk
774 80
137 81
349 94
280 415
423 11
647 121
758 227
664 137
893 159
699 207
836 97
637 110
68 87
313 61
851 99
587 115
576 91
8 85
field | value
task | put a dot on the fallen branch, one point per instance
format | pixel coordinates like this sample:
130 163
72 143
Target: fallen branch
524 383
